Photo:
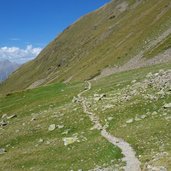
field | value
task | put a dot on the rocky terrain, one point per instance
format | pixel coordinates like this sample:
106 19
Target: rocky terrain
152 95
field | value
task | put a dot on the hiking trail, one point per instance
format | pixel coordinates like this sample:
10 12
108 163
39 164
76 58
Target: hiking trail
132 163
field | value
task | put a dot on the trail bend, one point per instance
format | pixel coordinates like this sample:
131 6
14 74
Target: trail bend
132 162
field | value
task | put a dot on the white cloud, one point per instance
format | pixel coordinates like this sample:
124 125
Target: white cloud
16 54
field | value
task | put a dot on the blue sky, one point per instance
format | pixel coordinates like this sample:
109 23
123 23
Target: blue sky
29 25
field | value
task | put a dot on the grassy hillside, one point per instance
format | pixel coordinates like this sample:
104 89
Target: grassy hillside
30 145
104 38
132 108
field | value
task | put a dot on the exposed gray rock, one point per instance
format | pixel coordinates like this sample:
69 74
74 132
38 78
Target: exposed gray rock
167 105
134 81
99 97
143 116
154 113
2 150
129 121
33 119
70 140
40 140
74 100
4 116
3 123
12 116
110 118
60 126
52 127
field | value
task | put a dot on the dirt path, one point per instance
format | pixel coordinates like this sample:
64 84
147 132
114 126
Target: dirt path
132 163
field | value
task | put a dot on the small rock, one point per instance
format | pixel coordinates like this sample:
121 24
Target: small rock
69 140
96 95
156 74
52 127
99 97
12 116
137 118
2 150
129 121
66 132
143 116
41 140
167 105
161 72
161 93
154 113
74 100
48 142
134 81
60 126
149 75
110 118
4 116
3 123
103 95
33 119
159 168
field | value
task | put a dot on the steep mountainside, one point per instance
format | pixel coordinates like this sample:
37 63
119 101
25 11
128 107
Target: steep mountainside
6 68
104 39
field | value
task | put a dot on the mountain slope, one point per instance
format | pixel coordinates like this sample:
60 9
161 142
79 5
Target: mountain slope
6 68
54 127
106 38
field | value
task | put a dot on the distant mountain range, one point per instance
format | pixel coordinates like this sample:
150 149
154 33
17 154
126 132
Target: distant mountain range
6 68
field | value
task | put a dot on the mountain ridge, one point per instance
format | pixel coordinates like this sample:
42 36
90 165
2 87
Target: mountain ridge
106 38
6 68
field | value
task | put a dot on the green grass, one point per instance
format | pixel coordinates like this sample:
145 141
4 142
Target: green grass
52 105
161 47
48 105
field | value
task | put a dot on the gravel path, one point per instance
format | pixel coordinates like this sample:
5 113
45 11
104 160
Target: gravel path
132 163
